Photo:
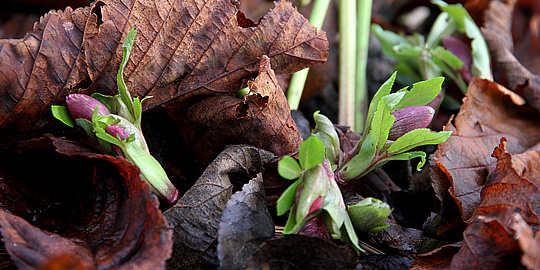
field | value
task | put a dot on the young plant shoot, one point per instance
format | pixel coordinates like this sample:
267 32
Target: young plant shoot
118 132
396 123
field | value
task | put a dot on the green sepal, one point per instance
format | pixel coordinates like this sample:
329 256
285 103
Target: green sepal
369 215
288 168
287 198
291 223
62 113
311 153
328 135
108 101
417 137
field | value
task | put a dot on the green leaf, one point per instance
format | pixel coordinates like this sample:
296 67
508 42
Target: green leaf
291 223
421 93
444 25
125 97
447 57
417 137
383 120
110 139
481 63
311 153
350 234
62 113
409 156
358 165
287 198
87 127
408 50
288 168
383 91
388 40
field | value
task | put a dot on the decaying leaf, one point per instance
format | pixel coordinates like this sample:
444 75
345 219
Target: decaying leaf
244 225
513 187
196 216
298 251
438 259
94 208
262 119
529 243
489 113
182 49
520 64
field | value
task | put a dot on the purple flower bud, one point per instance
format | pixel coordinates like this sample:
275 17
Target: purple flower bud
82 106
462 51
410 118
115 130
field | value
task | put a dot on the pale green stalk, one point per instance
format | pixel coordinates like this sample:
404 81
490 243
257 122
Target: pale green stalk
362 44
298 79
347 62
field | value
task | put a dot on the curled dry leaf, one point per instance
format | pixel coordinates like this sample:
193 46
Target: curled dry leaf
262 119
244 225
196 216
513 187
182 49
520 64
438 259
489 112
94 208
298 251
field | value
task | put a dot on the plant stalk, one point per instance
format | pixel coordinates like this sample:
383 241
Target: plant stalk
298 79
362 46
347 62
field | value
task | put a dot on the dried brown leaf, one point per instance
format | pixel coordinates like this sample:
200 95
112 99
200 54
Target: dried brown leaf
196 216
262 119
488 241
100 211
520 64
529 243
489 113
438 259
182 49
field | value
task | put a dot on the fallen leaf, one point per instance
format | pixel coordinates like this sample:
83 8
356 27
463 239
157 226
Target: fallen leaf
519 63
183 49
262 119
94 208
488 240
529 244
196 216
298 251
245 224
489 112
438 259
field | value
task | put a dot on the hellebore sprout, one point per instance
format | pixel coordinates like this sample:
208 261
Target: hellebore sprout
396 123
115 123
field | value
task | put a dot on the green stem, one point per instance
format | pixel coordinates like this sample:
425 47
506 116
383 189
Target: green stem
298 79
347 62
362 36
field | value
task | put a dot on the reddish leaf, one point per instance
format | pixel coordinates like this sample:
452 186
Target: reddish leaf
99 209
438 259
513 187
261 119
182 49
518 58
489 112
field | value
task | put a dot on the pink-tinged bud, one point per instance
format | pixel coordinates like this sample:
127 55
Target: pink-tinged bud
316 206
82 106
410 118
116 130
462 51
